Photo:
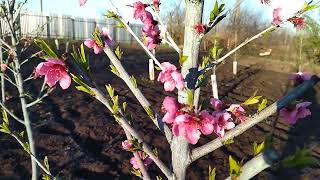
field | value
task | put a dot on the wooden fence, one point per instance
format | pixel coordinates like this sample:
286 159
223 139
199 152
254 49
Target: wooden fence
67 27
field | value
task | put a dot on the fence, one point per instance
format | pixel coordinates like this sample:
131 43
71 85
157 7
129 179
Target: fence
67 27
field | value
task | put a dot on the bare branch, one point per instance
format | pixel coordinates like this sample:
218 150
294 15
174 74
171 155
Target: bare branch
11 113
218 142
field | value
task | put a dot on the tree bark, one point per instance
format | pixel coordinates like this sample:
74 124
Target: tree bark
180 147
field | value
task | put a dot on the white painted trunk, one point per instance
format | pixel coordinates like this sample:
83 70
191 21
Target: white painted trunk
214 85
180 147
235 67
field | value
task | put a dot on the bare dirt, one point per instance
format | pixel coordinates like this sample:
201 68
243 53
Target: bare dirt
82 140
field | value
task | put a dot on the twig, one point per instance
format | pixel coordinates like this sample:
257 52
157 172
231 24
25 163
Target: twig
32 156
142 168
259 163
218 142
39 99
11 113
137 93
9 80
100 96
167 35
134 35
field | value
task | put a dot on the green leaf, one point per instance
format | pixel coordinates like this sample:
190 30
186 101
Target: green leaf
5 116
253 99
182 59
205 61
4 128
230 141
114 70
134 81
300 159
158 178
235 167
136 172
157 68
124 106
118 52
80 58
258 148
262 105
110 90
26 147
149 112
190 97
212 173
115 106
82 86
214 13
45 47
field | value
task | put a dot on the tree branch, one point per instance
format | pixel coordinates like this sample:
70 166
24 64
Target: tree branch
218 142
157 120
11 113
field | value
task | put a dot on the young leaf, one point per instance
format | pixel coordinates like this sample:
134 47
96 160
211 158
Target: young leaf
157 68
300 159
253 99
45 47
82 86
214 13
258 148
110 90
118 52
134 81
149 112
158 178
262 105
5 116
182 59
235 168
4 128
230 141
114 70
212 173
190 97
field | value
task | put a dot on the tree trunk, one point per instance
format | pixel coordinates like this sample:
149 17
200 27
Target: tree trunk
179 146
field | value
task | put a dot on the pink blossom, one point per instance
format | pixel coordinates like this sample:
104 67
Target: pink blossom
200 28
3 67
217 104
127 145
139 9
291 114
96 46
54 70
156 4
146 160
298 22
171 77
171 107
300 77
151 42
238 111
276 17
222 121
82 2
191 126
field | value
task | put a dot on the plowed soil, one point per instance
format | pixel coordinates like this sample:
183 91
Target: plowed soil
82 140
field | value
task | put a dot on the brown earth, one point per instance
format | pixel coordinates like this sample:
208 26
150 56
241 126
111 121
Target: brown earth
82 140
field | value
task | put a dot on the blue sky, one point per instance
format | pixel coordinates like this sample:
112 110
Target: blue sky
95 8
